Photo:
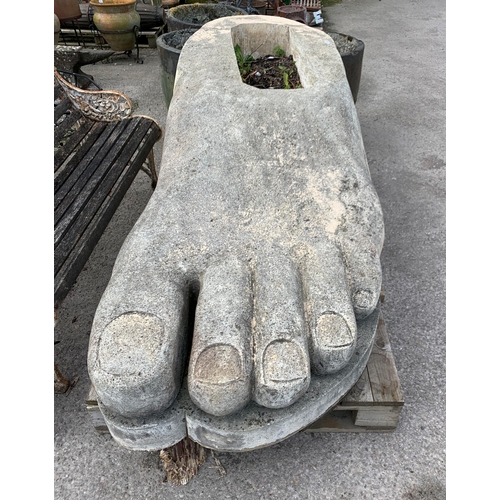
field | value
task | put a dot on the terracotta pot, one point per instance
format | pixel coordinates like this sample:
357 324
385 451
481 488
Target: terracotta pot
294 12
260 5
67 9
116 21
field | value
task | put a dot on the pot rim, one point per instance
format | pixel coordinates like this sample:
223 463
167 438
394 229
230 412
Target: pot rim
111 3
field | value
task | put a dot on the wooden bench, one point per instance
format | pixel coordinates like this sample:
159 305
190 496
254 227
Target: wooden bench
99 148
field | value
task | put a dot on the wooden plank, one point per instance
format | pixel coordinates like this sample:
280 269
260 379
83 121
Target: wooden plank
361 392
70 118
84 246
384 380
61 108
75 138
97 188
84 169
67 174
378 416
343 421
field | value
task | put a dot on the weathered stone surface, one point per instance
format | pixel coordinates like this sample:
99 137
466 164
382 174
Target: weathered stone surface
265 215
251 427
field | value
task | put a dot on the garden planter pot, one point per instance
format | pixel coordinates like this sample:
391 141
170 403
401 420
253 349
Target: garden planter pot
67 9
259 5
351 50
117 20
197 14
57 29
169 48
294 12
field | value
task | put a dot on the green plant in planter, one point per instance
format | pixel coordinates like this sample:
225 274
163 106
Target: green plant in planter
244 62
279 52
285 77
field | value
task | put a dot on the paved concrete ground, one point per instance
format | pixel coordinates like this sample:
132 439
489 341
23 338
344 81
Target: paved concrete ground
401 106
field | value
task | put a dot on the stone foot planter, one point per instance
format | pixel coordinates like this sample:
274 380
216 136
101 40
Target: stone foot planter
243 304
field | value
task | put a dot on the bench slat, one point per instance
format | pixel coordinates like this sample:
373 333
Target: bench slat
61 108
108 139
68 174
61 129
81 249
98 187
63 151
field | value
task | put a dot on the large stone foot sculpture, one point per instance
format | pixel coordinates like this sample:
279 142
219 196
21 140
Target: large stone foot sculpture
256 260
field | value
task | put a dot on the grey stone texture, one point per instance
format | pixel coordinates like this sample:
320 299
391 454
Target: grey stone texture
265 216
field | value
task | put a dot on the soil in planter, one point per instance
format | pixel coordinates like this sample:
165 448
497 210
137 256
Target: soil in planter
177 39
345 44
204 13
268 72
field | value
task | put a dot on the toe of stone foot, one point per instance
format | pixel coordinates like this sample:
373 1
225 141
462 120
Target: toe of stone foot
333 344
132 372
219 380
283 375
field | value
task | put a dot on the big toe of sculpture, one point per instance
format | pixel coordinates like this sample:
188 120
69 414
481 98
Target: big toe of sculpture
257 257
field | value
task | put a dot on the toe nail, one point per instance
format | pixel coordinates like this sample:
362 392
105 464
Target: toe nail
130 344
363 299
332 331
218 364
284 361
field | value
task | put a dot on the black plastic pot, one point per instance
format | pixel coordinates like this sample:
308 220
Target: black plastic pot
196 15
169 56
353 62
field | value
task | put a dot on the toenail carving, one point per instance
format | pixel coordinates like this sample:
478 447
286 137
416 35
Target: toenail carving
363 299
364 302
284 361
130 344
332 331
334 344
218 365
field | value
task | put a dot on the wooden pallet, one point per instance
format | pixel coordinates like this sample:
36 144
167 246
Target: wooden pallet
375 401
372 405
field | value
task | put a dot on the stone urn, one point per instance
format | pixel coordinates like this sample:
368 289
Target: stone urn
117 21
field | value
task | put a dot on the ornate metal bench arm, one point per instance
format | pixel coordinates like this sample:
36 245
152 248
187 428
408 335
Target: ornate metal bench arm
98 105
